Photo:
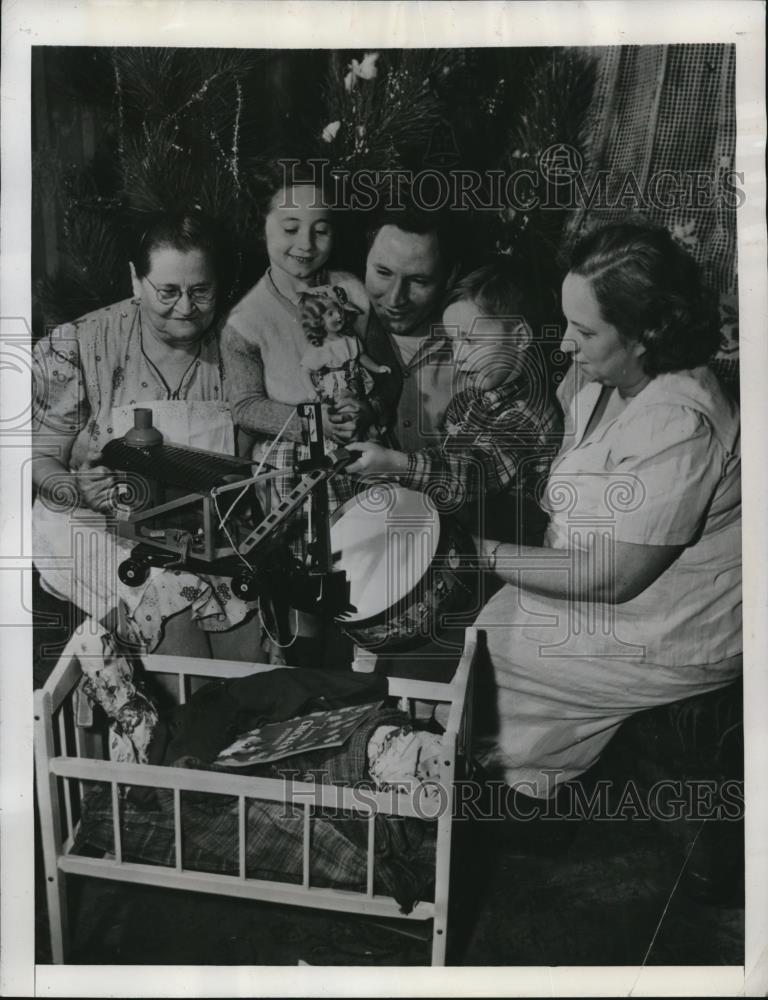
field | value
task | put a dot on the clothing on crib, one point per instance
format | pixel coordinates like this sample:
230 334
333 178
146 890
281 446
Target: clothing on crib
108 681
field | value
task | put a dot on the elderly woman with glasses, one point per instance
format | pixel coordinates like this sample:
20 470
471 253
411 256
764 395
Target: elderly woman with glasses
158 350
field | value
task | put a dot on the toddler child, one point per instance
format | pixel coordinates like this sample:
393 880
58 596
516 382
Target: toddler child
500 430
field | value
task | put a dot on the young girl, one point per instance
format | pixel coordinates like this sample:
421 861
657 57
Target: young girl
500 429
334 364
264 341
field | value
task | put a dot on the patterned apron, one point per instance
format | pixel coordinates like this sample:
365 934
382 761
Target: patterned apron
78 557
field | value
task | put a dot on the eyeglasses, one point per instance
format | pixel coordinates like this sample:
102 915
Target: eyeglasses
169 295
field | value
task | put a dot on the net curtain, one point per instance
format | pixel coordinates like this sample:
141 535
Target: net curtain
670 108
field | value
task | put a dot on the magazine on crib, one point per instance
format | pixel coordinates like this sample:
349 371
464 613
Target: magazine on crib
276 740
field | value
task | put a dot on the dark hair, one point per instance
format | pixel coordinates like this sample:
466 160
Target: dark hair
495 287
283 173
652 291
185 232
413 220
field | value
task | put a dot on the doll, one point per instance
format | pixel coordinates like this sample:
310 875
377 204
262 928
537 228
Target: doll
334 365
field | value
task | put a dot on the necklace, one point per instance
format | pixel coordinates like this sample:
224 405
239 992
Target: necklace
175 368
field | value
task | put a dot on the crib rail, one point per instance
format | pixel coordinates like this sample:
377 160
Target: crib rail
296 793
68 758
261 890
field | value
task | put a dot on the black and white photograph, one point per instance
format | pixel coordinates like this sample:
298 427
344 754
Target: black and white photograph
383 582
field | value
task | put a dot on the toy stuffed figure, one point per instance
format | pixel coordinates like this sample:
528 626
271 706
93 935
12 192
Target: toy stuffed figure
334 364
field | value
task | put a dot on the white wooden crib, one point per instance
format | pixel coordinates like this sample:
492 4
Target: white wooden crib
67 755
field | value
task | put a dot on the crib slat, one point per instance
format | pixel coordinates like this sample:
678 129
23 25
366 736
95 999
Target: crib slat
305 859
67 789
68 806
370 857
241 833
80 752
62 733
116 823
177 826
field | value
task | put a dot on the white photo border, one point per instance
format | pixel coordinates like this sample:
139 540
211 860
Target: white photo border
402 23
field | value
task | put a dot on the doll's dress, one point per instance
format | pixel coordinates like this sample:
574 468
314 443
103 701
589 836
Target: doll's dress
333 369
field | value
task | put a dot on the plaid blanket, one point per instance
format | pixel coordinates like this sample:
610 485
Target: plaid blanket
404 847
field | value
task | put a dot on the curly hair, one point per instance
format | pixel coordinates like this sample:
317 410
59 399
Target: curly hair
314 309
651 290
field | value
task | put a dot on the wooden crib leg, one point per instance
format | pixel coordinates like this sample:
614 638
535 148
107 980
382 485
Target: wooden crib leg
56 894
442 883
443 868
439 933
50 827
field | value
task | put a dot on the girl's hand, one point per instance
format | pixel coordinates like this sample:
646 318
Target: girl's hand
339 427
376 460
347 418
96 485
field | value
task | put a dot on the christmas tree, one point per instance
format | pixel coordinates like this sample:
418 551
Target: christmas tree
177 129
184 128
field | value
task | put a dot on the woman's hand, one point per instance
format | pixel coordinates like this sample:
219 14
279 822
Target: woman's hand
487 550
96 485
375 459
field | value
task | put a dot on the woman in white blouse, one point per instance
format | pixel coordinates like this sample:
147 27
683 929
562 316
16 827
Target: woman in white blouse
635 600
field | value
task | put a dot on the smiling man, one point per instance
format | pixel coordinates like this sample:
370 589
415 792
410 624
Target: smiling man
410 266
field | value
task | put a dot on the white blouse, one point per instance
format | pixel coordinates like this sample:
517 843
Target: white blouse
664 471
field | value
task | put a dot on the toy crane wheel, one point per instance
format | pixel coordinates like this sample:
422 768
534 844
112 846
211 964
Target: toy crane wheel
245 587
133 572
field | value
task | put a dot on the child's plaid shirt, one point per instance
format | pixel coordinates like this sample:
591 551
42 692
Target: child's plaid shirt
492 442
